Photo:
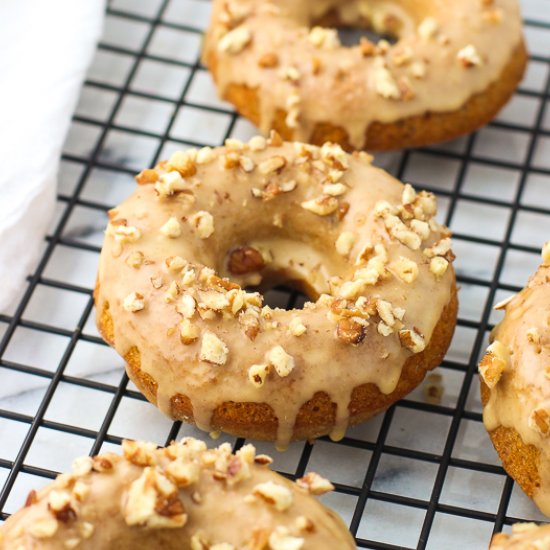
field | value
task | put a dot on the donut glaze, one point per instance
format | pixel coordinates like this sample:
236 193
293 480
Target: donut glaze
515 387
183 497
366 249
455 64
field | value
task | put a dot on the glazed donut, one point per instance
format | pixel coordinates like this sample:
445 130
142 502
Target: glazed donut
524 536
183 497
515 387
207 224
453 67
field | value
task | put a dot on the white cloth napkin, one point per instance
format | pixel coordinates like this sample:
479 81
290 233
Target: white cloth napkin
45 49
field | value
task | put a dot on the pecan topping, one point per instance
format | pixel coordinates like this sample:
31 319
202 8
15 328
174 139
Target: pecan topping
350 331
245 259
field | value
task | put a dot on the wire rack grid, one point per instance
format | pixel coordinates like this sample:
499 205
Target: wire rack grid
419 476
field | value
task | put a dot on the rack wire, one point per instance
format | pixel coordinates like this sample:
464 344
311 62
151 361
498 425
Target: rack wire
422 475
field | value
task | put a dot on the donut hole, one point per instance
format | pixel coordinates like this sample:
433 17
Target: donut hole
374 20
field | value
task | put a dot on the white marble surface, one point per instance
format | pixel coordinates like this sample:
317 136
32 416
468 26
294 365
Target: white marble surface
415 430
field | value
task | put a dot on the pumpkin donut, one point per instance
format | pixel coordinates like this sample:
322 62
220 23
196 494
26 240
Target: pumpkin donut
524 536
206 224
183 497
515 387
454 66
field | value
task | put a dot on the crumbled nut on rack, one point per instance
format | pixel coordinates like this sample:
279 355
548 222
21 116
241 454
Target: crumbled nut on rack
205 155
140 453
282 362
315 484
469 57
245 259
235 41
418 69
257 374
440 248
438 266
494 363
385 84
43 528
539 421
326 39
183 473
134 302
428 28
186 306
185 163
275 494
121 232
213 350
257 143
433 389
350 331
135 259
147 176
203 222
296 326
404 269
173 291
153 501
334 189
323 205
345 242
171 229
272 164
268 60
82 466
280 539
189 332
412 340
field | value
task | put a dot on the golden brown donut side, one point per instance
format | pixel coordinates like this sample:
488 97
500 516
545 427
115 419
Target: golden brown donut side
317 416
515 387
413 131
184 496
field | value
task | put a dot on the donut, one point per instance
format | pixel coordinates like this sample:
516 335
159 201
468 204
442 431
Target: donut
206 225
444 77
515 386
183 497
524 536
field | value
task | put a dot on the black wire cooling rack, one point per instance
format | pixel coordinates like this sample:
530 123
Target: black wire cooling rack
422 475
